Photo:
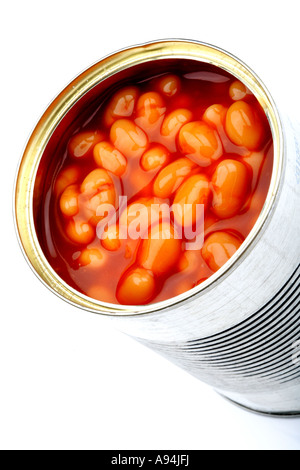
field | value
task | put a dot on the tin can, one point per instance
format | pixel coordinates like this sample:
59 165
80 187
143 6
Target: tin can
239 331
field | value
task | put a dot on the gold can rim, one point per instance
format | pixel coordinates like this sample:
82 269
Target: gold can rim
103 69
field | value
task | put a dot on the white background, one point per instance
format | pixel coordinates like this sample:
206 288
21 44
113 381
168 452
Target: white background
68 380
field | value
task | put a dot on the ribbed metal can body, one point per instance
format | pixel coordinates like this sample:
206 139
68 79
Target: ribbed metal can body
243 336
239 331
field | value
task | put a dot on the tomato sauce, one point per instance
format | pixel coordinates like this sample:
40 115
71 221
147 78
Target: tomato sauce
175 139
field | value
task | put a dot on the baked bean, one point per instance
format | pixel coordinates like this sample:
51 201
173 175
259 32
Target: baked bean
109 158
174 122
169 85
161 250
106 199
66 177
80 231
171 177
110 239
135 210
155 158
218 248
150 108
195 190
238 91
128 138
142 213
231 184
92 257
215 115
244 126
69 201
121 105
98 189
81 145
255 161
95 181
200 143
189 260
137 287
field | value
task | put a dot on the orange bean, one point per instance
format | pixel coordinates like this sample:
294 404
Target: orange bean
109 158
244 126
231 184
174 122
110 239
137 287
134 210
98 189
195 190
200 142
79 231
95 181
160 252
141 214
81 145
215 115
150 108
131 248
128 138
94 205
189 261
218 248
155 157
105 196
169 85
66 177
238 91
91 206
171 177
255 160
121 105
92 257
69 201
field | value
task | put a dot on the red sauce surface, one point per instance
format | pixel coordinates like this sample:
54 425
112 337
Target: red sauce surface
196 138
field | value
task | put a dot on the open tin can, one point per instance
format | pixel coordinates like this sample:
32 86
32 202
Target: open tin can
239 331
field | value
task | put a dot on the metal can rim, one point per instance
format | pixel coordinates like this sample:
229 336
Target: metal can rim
61 105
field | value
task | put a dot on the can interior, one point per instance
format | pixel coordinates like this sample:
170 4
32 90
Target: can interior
79 110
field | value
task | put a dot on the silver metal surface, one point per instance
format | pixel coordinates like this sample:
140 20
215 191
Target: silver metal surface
238 330
240 336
